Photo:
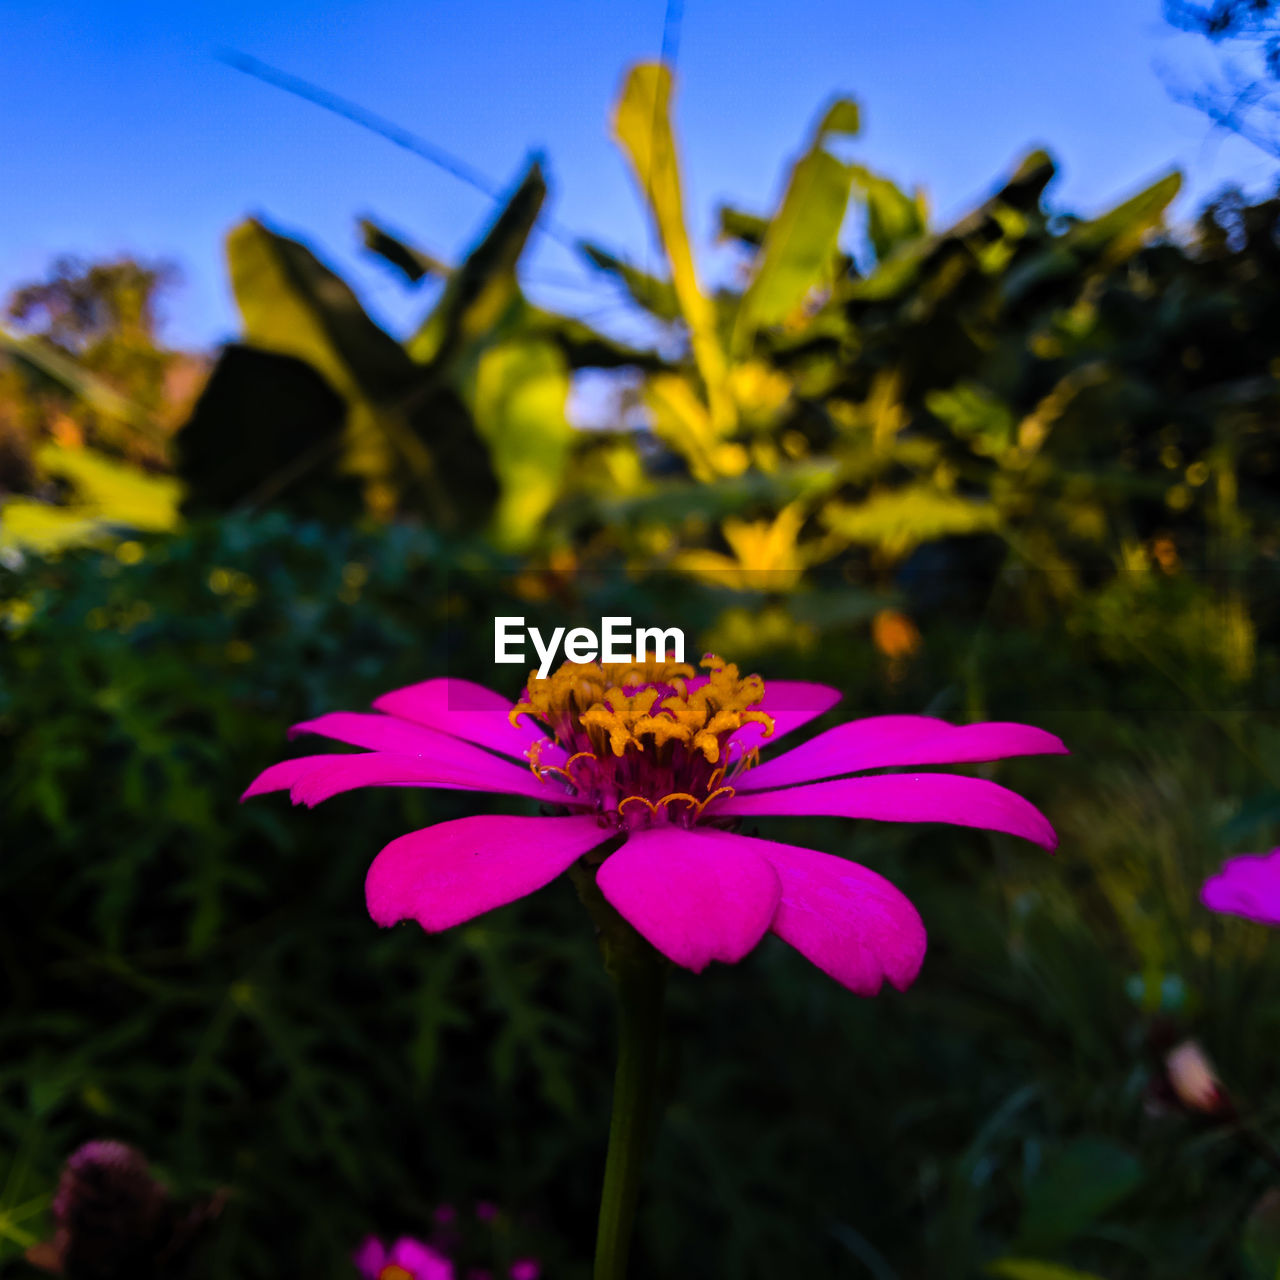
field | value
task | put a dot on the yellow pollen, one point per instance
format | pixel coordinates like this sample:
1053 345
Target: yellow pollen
594 697
394 1271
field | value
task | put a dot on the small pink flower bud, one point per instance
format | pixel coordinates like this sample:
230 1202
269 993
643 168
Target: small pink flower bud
1194 1081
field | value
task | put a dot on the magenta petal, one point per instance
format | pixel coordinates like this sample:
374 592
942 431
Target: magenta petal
849 921
883 741
400 737
377 732
903 797
455 870
695 896
464 710
791 703
420 1260
283 776
370 1258
338 773
1248 885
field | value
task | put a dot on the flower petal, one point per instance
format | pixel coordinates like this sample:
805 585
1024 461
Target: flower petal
903 797
448 873
464 710
404 738
282 776
695 897
879 742
849 921
1248 885
331 775
421 1261
376 732
791 703
370 1258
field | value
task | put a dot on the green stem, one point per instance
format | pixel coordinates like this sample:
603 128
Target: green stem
640 980
639 975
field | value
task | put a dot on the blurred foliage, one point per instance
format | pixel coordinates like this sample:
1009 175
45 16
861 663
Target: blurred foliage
1091 394
1085 396
89 401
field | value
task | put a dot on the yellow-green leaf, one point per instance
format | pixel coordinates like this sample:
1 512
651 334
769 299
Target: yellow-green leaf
291 303
798 246
483 290
413 263
841 116
518 398
1029 1269
642 126
1120 231
893 217
106 496
898 520
800 240
656 296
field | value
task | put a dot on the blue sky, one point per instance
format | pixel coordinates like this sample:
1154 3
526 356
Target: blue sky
125 133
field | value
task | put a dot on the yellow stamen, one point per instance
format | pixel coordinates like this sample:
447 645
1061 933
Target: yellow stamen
681 795
622 804
542 770
727 792
594 697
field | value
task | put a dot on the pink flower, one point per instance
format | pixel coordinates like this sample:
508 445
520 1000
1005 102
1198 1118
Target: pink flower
1247 885
525 1269
648 769
406 1260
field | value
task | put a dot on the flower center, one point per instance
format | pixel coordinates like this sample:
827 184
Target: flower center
647 741
393 1271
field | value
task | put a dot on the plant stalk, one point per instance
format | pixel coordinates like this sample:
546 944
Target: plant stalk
640 978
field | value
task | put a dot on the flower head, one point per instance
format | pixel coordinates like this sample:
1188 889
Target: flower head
406 1259
648 769
1248 886
114 1217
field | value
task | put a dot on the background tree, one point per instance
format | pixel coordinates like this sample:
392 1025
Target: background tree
1245 96
103 317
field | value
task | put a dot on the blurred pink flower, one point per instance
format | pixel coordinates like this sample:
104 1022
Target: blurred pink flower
1194 1081
407 1259
1248 886
667 763
525 1269
486 1210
